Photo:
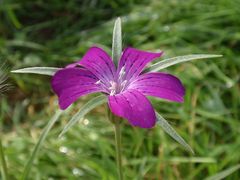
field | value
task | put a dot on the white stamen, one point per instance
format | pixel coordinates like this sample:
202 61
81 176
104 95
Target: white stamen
113 92
123 84
98 82
113 88
122 73
101 84
113 85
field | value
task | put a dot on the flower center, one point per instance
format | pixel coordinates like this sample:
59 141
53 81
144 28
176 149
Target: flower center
117 86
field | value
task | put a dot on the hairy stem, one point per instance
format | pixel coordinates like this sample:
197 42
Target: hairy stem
118 148
117 127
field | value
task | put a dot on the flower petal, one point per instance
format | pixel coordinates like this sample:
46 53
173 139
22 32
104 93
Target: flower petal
134 61
71 83
133 106
161 85
99 63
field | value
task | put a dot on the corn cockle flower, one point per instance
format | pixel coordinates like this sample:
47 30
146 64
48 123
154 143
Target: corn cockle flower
126 86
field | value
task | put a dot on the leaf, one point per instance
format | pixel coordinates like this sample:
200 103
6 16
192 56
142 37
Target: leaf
168 129
223 174
117 41
27 44
50 71
3 166
12 16
42 138
192 160
4 86
83 111
172 61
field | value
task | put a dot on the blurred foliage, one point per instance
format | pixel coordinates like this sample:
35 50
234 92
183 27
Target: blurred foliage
55 33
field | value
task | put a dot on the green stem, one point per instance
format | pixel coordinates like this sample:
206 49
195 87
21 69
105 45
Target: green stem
117 127
118 148
116 55
3 163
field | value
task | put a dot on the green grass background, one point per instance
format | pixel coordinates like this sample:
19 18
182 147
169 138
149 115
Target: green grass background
58 32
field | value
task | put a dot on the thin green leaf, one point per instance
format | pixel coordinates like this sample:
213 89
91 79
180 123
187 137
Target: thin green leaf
26 44
173 159
117 41
172 61
192 160
42 138
3 164
168 129
4 86
12 16
50 71
83 111
223 174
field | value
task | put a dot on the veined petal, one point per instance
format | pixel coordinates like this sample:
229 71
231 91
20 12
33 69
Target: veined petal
162 85
133 106
134 61
71 83
99 63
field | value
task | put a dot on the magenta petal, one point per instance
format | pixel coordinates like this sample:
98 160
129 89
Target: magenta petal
161 85
99 63
71 83
134 61
133 106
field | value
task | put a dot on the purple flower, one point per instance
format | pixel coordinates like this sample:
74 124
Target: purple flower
125 86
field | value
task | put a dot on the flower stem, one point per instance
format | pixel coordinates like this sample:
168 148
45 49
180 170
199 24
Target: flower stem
117 128
3 163
118 147
116 54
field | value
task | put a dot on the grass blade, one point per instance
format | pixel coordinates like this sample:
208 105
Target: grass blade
27 44
83 111
12 16
223 174
172 61
42 138
169 129
4 69
50 71
117 41
3 88
3 166
192 160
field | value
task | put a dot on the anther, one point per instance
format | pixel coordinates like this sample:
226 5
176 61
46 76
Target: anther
123 84
98 82
113 92
112 88
122 73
